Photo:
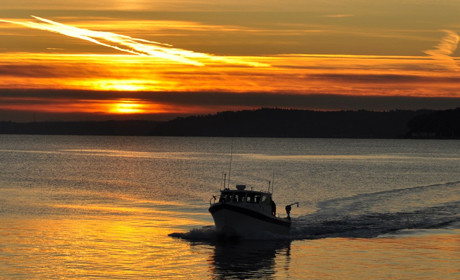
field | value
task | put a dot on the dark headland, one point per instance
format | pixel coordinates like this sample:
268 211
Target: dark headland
444 124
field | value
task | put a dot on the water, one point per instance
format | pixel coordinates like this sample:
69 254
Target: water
78 207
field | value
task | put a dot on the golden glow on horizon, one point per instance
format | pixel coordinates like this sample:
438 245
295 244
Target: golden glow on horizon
99 106
128 80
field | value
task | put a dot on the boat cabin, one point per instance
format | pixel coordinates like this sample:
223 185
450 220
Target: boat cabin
262 201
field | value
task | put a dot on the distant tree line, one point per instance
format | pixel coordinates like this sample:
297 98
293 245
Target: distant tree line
317 124
438 124
267 122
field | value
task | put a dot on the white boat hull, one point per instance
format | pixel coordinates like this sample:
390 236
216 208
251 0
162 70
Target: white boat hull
231 220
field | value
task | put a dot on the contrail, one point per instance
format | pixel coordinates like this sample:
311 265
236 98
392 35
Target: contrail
131 45
445 48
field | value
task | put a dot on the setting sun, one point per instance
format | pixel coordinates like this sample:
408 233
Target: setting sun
127 107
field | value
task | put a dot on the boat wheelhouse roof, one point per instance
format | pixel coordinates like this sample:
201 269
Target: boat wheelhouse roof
242 189
228 191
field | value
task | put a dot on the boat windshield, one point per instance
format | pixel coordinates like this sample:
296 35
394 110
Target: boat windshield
239 196
246 197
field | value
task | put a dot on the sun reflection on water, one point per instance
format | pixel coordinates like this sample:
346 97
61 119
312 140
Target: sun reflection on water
86 235
117 245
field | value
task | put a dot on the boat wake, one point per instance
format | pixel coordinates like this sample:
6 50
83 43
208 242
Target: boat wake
374 214
369 215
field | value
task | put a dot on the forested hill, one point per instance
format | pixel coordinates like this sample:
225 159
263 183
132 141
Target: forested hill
268 123
317 124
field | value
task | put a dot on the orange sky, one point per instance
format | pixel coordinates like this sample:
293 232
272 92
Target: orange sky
134 59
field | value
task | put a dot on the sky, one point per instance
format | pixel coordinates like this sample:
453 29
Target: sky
142 59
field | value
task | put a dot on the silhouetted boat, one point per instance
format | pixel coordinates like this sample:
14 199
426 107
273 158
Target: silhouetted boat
248 213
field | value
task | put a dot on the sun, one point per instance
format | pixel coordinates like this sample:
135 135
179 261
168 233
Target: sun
127 107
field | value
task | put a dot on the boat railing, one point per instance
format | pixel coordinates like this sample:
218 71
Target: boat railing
213 198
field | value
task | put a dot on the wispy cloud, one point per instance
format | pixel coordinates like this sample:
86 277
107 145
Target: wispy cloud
443 51
131 45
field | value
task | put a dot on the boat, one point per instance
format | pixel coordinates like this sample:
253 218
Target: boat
247 213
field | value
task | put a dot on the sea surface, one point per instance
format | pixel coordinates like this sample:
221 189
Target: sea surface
86 207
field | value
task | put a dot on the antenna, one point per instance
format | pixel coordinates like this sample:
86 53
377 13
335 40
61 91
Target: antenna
230 167
273 180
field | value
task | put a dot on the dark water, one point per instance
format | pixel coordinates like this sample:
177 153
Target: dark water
136 207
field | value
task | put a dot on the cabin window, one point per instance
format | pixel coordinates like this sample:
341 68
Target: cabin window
257 198
225 197
264 199
239 197
250 198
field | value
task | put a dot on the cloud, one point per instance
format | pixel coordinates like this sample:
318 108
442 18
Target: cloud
132 45
443 51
